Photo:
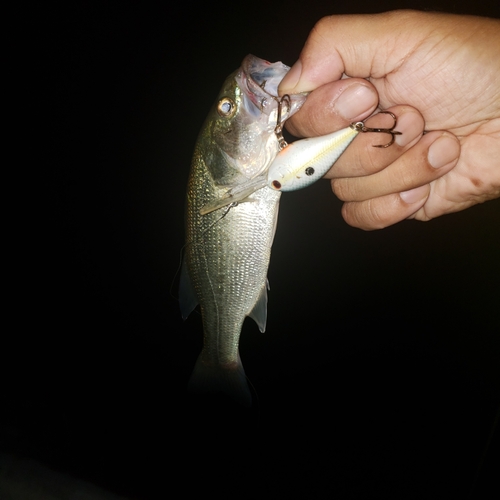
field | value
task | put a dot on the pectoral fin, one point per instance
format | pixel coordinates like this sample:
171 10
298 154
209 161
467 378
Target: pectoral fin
259 312
237 194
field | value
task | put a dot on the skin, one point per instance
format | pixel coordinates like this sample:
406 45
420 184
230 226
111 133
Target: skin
437 72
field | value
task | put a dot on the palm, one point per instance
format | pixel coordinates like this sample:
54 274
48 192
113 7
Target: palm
438 82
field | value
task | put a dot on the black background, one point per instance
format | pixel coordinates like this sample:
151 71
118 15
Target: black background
378 375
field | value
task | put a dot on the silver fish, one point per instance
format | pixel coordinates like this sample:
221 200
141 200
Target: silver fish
231 220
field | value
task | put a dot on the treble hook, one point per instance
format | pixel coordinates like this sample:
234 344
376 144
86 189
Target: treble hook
361 127
278 130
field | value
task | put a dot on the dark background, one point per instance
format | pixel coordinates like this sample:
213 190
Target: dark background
378 375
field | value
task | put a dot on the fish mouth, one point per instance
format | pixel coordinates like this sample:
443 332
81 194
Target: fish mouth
259 80
250 142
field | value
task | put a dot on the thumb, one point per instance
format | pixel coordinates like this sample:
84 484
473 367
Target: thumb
356 45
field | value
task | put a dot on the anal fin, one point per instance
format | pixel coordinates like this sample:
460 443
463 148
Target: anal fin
259 312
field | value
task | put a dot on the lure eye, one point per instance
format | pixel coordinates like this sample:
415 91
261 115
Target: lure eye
226 107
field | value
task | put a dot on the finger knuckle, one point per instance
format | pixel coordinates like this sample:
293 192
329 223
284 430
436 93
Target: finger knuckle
377 213
321 27
407 179
342 189
364 216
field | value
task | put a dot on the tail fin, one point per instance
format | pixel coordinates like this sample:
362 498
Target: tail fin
229 379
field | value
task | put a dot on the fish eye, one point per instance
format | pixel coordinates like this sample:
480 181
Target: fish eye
226 107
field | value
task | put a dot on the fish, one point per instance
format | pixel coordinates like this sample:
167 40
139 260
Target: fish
231 217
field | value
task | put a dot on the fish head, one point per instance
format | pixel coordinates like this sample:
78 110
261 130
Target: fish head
242 123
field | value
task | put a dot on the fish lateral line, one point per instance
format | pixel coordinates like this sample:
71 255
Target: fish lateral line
189 300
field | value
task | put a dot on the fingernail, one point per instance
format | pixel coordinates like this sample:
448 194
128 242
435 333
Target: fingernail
414 195
443 151
291 79
355 100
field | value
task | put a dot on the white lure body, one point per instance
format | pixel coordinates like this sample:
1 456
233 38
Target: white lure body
303 162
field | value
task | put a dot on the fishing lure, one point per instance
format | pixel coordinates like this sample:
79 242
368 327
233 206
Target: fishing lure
301 163
304 162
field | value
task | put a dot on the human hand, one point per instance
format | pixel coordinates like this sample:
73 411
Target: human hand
445 66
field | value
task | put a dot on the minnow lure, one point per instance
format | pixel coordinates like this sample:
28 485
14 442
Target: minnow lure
304 162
